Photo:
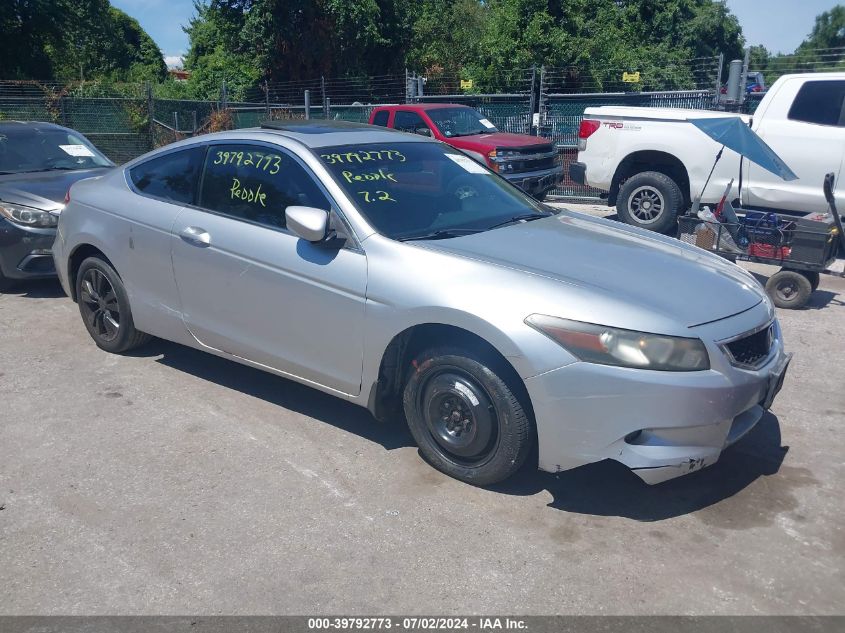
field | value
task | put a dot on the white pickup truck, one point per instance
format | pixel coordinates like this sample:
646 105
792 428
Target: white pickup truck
652 162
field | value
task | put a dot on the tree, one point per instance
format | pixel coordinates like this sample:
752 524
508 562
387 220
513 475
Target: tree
828 30
75 39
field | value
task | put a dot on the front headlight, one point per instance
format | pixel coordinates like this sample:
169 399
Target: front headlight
27 215
624 348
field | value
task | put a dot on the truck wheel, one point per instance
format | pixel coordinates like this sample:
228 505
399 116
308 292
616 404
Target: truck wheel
466 420
789 289
650 200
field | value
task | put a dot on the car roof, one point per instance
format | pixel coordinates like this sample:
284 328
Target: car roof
423 106
30 125
317 133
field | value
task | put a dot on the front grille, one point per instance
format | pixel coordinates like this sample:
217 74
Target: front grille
751 350
532 164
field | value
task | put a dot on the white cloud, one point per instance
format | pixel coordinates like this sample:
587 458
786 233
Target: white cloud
174 61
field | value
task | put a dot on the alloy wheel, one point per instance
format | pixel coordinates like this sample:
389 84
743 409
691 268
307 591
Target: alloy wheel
646 204
99 303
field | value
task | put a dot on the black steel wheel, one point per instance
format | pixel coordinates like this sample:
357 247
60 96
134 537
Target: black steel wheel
104 307
789 289
467 421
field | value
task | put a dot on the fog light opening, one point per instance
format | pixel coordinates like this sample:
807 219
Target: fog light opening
632 438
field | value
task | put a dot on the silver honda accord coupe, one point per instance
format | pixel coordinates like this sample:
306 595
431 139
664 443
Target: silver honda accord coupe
395 272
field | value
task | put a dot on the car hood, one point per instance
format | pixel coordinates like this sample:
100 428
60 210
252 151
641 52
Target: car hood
480 142
43 190
657 273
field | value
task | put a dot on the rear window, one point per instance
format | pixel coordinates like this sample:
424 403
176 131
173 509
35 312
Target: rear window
381 118
172 177
819 102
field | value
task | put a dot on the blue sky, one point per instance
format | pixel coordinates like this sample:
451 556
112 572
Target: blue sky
780 25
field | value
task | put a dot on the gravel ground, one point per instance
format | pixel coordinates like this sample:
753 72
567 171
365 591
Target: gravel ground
174 482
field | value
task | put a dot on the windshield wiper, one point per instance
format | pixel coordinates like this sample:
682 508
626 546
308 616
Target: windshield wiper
443 234
525 217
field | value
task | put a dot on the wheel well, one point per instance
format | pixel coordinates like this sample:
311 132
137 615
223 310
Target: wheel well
79 255
650 161
386 394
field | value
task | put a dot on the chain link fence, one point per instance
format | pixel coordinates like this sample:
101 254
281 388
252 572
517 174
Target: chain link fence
126 120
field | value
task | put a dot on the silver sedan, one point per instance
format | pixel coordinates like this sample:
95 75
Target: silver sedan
395 272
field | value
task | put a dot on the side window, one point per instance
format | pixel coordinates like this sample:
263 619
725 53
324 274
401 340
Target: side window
172 177
819 102
381 118
408 121
257 183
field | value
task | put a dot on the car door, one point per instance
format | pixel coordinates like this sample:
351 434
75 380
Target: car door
251 288
805 126
161 187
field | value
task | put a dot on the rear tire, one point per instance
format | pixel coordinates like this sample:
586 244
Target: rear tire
650 200
465 418
104 307
789 289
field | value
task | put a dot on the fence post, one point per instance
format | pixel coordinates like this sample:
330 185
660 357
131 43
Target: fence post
175 126
150 114
193 123
420 87
224 96
328 113
323 97
407 86
718 98
541 108
307 105
532 101
267 98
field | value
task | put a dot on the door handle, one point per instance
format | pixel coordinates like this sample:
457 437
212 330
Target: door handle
196 236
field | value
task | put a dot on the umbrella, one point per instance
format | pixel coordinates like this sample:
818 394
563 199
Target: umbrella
734 133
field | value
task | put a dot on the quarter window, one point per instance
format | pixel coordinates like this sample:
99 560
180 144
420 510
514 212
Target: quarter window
408 121
819 102
171 177
257 183
381 118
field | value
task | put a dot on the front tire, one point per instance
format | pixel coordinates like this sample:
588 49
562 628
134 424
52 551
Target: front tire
104 307
650 200
465 418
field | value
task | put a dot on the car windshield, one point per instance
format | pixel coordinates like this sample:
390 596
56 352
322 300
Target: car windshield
28 149
460 121
426 190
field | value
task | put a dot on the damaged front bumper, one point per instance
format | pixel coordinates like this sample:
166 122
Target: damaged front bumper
660 424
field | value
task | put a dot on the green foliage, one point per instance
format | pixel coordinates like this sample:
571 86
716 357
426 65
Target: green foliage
828 31
75 39
822 50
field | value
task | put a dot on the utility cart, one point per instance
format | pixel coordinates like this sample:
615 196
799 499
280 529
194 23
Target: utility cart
802 247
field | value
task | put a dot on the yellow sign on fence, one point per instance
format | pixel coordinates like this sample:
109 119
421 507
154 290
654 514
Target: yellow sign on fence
631 78
466 84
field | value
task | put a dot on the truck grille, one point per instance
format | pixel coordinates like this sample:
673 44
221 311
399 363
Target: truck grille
533 158
751 350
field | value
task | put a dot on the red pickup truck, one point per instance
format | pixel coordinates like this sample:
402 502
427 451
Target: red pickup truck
529 162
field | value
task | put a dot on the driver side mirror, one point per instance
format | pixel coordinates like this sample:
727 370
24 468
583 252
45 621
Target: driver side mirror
423 131
308 223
